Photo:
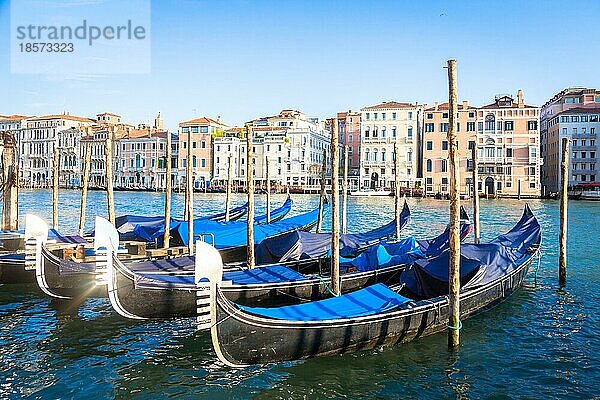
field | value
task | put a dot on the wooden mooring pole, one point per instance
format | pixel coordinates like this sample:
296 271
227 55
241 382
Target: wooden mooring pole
190 194
322 193
268 190
250 186
345 192
10 179
87 159
454 323
564 173
110 195
228 189
396 190
168 194
475 193
335 212
55 172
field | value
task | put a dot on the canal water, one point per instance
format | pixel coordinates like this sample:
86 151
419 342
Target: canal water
541 343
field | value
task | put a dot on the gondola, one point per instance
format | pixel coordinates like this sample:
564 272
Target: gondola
376 315
140 295
154 232
13 264
65 279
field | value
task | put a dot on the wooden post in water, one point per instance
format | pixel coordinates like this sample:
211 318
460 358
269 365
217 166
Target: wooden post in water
396 190
475 193
55 172
268 191
454 323
250 186
519 189
564 173
10 179
110 195
345 192
322 194
190 194
168 193
87 159
228 189
335 212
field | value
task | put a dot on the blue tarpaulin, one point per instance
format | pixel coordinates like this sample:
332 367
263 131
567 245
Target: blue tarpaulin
371 300
232 234
479 263
305 245
269 274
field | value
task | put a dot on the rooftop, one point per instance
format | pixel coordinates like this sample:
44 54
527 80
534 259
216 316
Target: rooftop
389 105
583 109
201 120
63 116
446 106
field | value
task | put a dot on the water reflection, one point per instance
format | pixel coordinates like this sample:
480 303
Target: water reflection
541 342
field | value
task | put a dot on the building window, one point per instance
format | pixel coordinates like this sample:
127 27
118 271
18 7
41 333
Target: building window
410 115
394 131
444 127
194 145
444 165
429 127
531 170
204 129
203 163
383 116
375 116
444 145
445 115
509 152
394 116
471 144
194 129
203 144
367 116
508 125
185 130
429 165
429 115
470 126
410 133
429 145
532 125
194 161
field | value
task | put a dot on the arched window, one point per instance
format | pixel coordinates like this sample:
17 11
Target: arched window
429 165
194 161
374 154
367 154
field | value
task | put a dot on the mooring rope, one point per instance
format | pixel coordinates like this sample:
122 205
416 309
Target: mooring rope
326 285
456 328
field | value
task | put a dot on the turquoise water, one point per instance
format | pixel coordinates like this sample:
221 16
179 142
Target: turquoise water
541 343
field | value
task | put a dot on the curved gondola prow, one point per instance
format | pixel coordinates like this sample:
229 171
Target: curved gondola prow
208 272
36 237
106 245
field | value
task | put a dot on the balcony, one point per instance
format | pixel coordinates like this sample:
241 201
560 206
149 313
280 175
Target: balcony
581 135
579 159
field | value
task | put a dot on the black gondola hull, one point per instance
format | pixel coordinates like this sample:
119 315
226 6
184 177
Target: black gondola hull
239 337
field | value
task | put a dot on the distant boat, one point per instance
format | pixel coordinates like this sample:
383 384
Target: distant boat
368 193
585 191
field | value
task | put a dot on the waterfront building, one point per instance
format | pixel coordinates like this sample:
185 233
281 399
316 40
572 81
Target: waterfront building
142 160
434 148
508 144
349 137
294 145
507 139
572 113
224 147
202 131
39 137
382 126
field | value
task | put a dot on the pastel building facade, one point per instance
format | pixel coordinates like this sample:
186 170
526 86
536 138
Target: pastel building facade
434 148
349 138
382 126
574 114
202 131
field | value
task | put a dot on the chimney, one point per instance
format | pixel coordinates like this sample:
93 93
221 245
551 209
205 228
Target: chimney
465 104
520 98
435 105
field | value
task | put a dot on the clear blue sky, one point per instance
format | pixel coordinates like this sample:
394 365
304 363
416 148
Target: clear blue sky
243 59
